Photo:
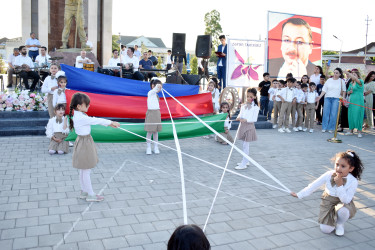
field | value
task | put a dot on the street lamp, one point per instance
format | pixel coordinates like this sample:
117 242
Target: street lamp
340 48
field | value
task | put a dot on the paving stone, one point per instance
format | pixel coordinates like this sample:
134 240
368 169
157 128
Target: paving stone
22 243
37 230
100 233
115 243
13 233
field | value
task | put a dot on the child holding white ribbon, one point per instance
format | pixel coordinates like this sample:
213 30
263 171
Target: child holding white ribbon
341 184
153 116
224 108
248 116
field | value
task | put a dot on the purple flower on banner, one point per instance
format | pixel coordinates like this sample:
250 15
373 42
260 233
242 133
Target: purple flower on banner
245 68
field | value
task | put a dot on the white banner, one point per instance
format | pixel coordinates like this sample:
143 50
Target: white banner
245 62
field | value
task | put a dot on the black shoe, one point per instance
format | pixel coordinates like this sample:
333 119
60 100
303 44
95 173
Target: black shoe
340 130
9 86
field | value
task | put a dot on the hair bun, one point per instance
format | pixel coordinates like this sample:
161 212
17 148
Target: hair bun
60 73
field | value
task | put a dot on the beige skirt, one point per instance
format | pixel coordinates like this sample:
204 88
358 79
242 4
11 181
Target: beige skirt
226 136
329 207
62 146
247 132
85 155
153 116
51 110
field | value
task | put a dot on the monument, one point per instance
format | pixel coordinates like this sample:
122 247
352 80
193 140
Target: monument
63 25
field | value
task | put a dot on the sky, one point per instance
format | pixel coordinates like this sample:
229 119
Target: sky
239 19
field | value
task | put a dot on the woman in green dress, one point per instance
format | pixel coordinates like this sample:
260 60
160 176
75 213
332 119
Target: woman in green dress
369 92
355 113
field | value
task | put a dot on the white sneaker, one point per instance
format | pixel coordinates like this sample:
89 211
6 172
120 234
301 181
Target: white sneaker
156 150
295 129
359 135
274 126
71 144
330 131
240 167
304 130
287 130
311 131
300 128
148 151
247 164
339 230
323 130
348 133
206 137
281 130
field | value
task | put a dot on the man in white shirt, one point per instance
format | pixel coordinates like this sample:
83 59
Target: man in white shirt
169 60
26 64
137 53
11 66
89 44
131 65
43 59
33 45
123 51
113 62
80 60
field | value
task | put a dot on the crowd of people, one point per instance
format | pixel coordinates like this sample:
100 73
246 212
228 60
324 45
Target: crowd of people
317 98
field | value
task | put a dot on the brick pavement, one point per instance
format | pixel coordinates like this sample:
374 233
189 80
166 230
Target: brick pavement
39 208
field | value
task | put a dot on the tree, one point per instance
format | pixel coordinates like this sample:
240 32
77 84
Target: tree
194 66
330 52
2 66
115 44
213 28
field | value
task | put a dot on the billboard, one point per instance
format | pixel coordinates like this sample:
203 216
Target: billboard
294 44
245 62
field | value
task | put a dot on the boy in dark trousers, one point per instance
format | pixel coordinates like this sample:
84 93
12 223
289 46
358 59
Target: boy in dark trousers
263 88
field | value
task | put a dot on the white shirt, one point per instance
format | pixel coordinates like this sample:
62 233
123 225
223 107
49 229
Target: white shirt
332 87
277 92
82 122
58 98
48 85
134 60
31 41
169 60
272 92
12 59
123 53
112 62
251 115
42 59
311 96
227 123
215 99
153 99
315 79
23 60
287 93
345 192
299 95
78 64
137 53
54 127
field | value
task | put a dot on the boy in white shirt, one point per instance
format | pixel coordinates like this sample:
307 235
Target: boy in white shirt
311 96
276 104
271 95
287 98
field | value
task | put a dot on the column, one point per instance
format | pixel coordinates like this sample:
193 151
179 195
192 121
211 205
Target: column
92 28
26 20
107 32
43 13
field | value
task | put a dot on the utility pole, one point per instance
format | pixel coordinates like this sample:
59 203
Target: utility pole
367 24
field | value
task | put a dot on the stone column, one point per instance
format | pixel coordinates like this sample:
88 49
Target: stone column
92 24
106 32
26 19
43 13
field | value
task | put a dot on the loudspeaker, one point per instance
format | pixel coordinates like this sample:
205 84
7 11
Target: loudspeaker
203 46
174 78
192 79
178 45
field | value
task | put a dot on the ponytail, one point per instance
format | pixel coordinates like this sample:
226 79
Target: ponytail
71 123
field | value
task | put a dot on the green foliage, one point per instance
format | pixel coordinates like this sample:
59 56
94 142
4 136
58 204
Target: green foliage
2 66
115 45
213 28
330 52
372 59
143 48
194 66
184 69
158 66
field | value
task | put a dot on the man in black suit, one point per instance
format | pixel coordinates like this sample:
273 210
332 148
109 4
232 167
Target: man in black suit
296 46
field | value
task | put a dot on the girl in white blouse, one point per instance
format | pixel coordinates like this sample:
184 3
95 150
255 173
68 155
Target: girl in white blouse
85 156
248 116
59 96
341 184
49 85
57 130
153 116
224 108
